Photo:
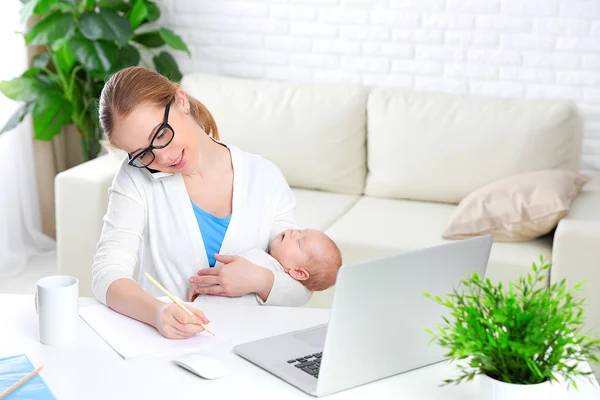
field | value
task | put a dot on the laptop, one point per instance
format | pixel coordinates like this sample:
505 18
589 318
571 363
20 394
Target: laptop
377 323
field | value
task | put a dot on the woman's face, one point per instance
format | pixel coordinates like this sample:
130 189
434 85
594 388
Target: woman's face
134 133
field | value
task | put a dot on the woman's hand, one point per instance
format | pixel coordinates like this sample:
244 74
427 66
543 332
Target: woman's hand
236 278
174 323
191 293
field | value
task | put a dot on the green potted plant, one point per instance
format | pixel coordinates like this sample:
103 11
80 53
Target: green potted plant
518 340
84 42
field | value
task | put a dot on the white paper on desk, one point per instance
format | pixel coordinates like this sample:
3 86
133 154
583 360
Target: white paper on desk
131 338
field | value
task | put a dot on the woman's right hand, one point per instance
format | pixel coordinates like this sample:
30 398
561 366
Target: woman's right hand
174 323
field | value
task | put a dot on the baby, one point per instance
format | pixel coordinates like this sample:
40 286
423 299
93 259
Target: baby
307 255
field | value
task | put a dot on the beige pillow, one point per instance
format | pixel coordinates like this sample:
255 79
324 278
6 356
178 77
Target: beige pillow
517 208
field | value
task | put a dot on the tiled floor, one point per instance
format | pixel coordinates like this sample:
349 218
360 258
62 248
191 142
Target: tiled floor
24 283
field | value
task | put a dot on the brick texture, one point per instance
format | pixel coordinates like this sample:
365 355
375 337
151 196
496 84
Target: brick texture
501 48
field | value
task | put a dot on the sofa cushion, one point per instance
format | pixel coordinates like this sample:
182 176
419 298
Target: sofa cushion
517 208
393 226
377 227
319 210
440 147
315 133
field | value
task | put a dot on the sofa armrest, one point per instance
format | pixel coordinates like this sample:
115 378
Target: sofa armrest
81 195
576 252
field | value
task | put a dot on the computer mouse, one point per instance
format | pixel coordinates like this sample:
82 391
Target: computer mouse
202 365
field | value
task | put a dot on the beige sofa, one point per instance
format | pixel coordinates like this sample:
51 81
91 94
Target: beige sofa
379 170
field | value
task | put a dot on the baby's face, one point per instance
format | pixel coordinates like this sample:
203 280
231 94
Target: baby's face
293 248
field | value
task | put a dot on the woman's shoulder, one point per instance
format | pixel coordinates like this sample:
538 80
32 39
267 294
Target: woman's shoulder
257 164
137 181
142 176
127 174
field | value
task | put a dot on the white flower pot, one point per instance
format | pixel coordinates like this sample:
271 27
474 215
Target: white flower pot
492 389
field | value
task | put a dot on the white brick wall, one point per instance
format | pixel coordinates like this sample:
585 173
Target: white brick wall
511 48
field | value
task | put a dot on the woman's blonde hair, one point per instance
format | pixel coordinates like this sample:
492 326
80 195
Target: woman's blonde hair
132 86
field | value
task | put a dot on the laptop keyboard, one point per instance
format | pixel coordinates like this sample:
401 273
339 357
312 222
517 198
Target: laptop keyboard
309 364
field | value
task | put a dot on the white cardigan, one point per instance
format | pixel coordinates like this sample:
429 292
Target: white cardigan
150 216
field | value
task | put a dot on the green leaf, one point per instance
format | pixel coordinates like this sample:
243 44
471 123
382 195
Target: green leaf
64 7
39 74
149 39
138 14
50 113
89 4
119 5
33 72
153 11
74 92
27 11
105 25
173 40
64 59
58 43
96 56
43 6
100 75
23 89
17 117
40 60
166 65
51 28
128 56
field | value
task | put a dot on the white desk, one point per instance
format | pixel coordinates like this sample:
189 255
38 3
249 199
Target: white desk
90 369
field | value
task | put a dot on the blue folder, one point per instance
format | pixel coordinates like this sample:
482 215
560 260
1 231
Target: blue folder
12 370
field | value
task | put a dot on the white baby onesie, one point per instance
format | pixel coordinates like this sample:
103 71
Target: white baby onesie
258 257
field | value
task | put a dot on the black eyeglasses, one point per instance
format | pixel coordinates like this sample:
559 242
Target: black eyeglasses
161 139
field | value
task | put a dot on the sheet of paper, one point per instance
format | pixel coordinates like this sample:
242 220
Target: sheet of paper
131 338
12 370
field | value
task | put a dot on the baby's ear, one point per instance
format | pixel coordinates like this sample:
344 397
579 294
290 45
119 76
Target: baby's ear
300 274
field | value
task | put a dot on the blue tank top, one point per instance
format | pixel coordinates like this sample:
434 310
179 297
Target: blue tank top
213 232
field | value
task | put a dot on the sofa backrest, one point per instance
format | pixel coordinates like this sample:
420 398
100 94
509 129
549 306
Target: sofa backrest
314 133
440 147
414 145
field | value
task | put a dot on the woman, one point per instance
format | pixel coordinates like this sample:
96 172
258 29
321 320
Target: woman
180 198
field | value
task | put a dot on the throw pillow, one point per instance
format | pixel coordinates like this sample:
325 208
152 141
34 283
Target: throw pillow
517 208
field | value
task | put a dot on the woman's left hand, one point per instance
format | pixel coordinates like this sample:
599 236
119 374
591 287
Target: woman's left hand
237 277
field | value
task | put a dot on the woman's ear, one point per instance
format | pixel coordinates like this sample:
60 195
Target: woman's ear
299 274
182 101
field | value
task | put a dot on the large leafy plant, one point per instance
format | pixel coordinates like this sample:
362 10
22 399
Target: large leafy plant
528 334
84 42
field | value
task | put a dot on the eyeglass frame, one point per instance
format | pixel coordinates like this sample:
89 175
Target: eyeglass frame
162 126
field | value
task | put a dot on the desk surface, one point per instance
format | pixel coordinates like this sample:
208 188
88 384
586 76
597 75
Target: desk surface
90 369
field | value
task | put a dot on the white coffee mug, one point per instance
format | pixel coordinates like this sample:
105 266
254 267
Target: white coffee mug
57 305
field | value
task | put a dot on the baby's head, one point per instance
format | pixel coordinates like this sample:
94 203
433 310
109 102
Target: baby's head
309 256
